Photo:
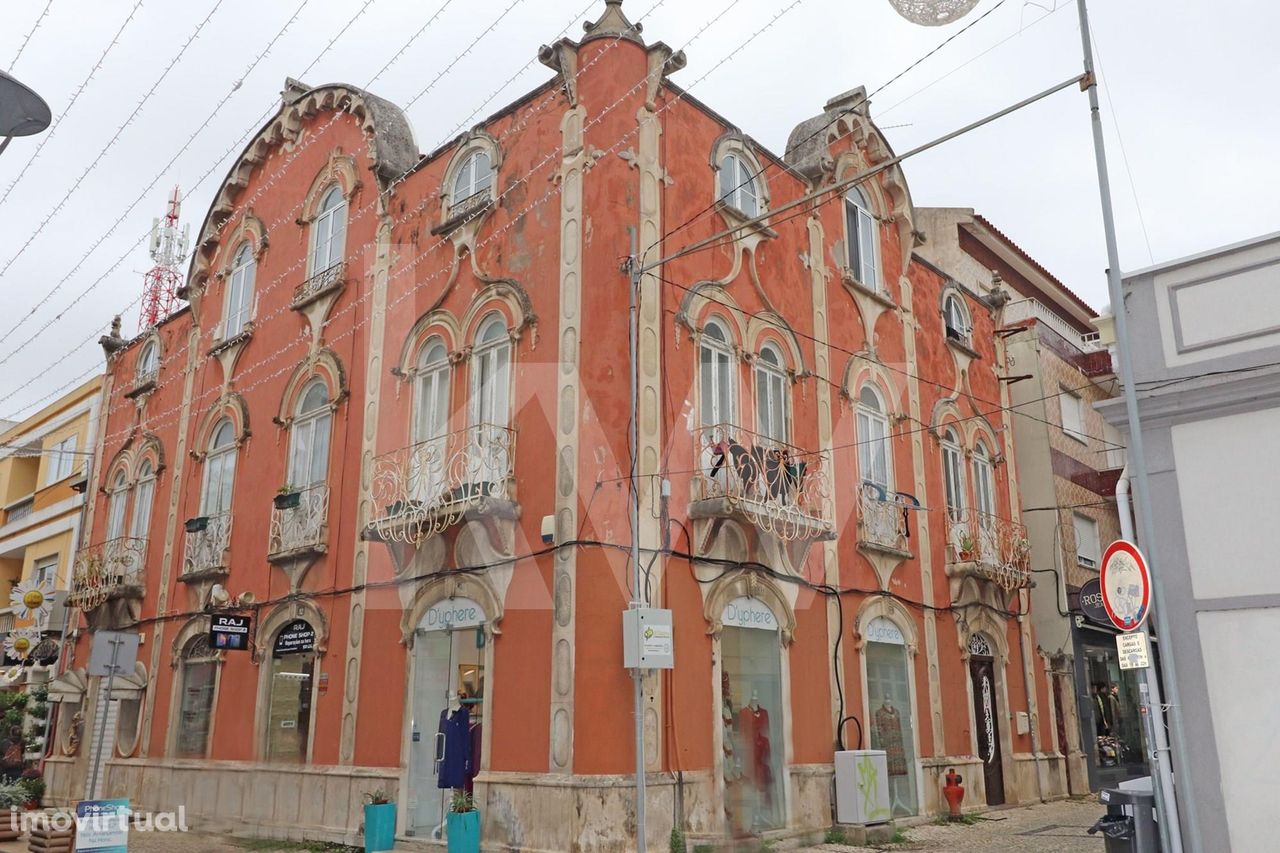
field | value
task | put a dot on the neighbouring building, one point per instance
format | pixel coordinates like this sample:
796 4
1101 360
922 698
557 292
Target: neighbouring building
1069 460
391 428
1205 338
45 467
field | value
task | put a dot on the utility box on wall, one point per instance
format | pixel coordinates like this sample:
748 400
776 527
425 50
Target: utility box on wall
862 786
647 639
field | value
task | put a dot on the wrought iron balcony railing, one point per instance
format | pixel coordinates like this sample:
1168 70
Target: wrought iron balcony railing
781 488
302 527
992 547
425 488
319 283
208 539
882 519
470 204
106 569
20 510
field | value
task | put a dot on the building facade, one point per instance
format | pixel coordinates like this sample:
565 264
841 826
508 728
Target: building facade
45 467
1205 350
425 360
1069 461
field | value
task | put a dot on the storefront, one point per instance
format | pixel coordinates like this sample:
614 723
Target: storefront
891 721
1110 713
752 703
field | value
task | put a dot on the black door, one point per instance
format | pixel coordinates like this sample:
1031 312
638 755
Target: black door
986 717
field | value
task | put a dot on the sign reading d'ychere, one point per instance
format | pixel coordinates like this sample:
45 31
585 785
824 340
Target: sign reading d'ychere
747 612
453 613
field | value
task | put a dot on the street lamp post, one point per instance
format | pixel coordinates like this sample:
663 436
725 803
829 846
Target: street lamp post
22 111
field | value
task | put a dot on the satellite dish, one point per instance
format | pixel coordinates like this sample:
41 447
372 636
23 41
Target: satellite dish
933 13
22 111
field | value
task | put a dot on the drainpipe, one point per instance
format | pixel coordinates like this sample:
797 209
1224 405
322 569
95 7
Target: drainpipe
1156 724
1029 683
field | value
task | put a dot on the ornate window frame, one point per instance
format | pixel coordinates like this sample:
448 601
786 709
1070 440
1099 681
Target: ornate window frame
454 211
737 147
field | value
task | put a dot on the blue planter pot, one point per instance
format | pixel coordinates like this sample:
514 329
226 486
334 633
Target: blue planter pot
463 829
379 827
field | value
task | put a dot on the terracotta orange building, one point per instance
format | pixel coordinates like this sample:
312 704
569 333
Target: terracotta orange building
392 429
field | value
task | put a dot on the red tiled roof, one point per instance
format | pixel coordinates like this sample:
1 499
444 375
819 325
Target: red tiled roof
1036 264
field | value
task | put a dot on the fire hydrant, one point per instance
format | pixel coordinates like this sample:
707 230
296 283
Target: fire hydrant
953 791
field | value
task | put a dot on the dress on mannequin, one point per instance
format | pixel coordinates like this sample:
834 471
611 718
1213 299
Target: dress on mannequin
455 763
753 721
888 725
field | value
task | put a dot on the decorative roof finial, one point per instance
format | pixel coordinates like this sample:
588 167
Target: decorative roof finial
613 23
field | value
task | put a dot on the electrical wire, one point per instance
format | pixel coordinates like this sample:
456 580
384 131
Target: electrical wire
13 64
75 96
102 153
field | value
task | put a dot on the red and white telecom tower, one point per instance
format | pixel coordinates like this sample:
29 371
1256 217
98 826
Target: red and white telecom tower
168 250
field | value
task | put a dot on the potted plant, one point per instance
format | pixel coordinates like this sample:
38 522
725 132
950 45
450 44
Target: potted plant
966 547
379 821
199 524
288 497
462 824
33 785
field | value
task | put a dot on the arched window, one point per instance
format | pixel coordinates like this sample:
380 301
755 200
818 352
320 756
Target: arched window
875 452
219 470
431 392
291 692
198 680
117 505
772 404
984 488
953 473
143 494
861 235
473 184
244 268
309 436
956 319
738 187
148 363
329 231
717 375
491 373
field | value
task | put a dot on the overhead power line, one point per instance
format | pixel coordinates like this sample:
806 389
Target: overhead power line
30 33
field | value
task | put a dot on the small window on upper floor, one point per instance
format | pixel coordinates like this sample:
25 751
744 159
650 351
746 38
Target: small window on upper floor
62 460
875 449
956 320
148 363
738 187
861 237
473 184
329 231
1072 414
244 268
1088 548
773 406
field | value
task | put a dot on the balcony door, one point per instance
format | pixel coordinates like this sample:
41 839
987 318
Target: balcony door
428 456
487 445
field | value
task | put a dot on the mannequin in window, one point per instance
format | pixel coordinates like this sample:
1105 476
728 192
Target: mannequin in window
888 723
753 722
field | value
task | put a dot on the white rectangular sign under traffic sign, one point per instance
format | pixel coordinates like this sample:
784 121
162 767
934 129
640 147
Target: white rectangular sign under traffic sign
1133 650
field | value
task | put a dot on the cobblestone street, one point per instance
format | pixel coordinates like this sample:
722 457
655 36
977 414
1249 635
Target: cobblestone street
1058 827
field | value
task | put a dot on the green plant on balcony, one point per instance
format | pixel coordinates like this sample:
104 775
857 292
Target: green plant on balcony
287 497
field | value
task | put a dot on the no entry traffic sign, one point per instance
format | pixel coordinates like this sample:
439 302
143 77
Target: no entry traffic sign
1126 585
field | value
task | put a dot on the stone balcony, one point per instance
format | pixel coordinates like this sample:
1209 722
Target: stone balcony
425 489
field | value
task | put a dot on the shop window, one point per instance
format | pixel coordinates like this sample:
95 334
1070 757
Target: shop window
244 269
892 723
860 235
751 714
1119 747
329 231
198 680
291 693
875 458
772 403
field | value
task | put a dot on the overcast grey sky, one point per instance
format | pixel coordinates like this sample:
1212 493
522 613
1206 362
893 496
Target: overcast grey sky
1191 88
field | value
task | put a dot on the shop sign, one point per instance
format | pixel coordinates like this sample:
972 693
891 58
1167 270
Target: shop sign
1126 585
102 826
453 613
229 632
881 630
747 612
1133 650
1091 602
295 638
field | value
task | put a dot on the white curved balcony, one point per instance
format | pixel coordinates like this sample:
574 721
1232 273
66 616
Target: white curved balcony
208 541
107 570
302 524
882 520
988 547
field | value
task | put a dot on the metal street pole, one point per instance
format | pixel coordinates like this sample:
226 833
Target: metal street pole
104 706
1166 806
633 280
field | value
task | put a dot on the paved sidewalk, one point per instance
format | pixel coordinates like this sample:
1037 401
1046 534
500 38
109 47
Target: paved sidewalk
1057 827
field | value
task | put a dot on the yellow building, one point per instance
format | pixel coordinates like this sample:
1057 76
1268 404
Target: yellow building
44 467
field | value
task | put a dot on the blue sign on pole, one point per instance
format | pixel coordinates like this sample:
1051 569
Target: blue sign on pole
102 826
